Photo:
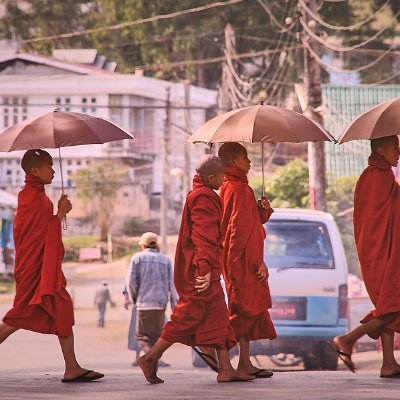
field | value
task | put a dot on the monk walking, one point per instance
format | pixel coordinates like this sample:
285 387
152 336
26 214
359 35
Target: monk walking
200 318
42 304
377 235
244 269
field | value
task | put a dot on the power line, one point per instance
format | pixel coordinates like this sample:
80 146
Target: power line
186 63
386 79
345 49
341 28
132 23
329 67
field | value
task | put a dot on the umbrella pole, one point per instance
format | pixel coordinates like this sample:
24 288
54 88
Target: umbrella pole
64 222
262 169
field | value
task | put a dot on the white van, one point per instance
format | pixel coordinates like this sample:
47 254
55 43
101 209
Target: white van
308 281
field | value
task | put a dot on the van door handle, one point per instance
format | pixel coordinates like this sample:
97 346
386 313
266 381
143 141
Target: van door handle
329 289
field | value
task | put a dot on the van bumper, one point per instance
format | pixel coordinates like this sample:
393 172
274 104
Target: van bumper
297 340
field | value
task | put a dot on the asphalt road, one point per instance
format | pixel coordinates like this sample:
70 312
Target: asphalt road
31 365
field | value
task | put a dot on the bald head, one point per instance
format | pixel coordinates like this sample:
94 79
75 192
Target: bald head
34 159
383 141
230 151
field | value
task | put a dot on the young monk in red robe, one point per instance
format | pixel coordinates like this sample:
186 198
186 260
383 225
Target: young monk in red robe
200 317
41 302
377 235
244 269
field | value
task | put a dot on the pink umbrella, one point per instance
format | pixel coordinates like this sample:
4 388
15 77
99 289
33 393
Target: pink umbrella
380 121
58 129
261 123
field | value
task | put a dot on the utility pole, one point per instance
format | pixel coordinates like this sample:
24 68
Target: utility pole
224 100
312 81
165 175
186 149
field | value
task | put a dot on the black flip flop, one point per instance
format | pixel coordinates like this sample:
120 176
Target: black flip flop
84 377
209 360
263 373
346 358
391 376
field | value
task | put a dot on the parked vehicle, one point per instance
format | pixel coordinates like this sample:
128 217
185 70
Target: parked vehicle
308 281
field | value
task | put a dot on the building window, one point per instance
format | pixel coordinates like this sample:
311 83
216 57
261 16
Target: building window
78 162
69 162
63 103
14 110
93 103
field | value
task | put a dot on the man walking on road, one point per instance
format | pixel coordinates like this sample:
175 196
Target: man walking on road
101 299
150 283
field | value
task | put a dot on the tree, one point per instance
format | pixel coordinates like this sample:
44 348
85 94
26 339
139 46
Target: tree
288 186
98 187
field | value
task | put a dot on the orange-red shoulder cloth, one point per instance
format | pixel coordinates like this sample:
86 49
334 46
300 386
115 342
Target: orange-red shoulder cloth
199 318
244 234
41 303
377 235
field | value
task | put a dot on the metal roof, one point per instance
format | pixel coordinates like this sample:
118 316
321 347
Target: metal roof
342 104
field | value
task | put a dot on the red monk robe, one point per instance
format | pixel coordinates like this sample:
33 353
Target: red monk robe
199 319
249 298
377 235
41 303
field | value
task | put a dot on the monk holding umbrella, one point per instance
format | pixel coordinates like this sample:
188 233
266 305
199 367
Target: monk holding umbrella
42 303
377 233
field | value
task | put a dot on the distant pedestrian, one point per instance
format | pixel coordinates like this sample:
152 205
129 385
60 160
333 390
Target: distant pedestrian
150 283
101 299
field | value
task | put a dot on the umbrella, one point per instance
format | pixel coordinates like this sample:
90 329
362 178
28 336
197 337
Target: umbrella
260 123
58 129
380 121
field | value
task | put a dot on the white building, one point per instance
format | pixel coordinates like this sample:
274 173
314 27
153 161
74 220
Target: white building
83 81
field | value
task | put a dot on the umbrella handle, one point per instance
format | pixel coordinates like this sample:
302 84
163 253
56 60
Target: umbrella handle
64 222
262 169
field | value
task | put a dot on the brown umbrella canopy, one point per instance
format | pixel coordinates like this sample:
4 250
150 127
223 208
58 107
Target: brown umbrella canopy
60 129
380 121
261 123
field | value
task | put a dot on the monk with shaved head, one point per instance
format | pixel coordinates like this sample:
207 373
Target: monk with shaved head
377 235
42 303
200 317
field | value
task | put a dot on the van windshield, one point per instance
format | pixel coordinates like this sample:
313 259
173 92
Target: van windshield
298 244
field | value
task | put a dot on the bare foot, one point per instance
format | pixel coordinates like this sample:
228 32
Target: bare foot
342 345
232 375
149 368
74 373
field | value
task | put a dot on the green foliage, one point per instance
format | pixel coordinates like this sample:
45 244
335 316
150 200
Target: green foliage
340 197
98 187
132 226
288 186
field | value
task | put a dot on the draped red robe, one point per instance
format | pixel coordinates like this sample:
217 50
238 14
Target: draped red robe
377 235
41 302
199 318
244 234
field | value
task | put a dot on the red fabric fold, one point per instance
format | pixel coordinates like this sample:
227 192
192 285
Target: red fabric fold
199 318
377 233
42 303
243 253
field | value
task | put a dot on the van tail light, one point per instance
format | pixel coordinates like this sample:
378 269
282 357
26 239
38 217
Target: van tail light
343 301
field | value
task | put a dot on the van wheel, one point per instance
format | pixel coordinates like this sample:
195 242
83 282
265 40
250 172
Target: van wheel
312 362
329 359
